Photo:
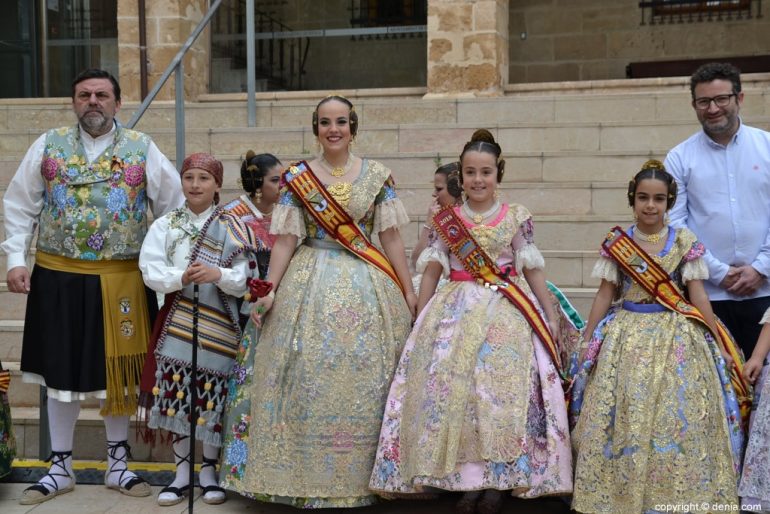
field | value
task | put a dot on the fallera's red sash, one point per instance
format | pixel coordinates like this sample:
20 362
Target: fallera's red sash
476 262
655 281
334 219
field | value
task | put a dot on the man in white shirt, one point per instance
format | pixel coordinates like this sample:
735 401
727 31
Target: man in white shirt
723 175
86 189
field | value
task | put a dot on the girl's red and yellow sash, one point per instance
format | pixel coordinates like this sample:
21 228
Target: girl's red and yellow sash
334 219
638 264
476 262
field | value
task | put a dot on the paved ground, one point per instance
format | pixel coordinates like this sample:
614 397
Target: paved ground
93 499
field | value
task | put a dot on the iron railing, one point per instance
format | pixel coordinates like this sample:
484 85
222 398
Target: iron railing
176 66
280 52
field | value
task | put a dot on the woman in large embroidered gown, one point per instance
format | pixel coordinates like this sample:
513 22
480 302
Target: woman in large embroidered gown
477 403
658 419
329 344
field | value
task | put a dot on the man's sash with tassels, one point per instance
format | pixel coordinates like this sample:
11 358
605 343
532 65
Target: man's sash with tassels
655 281
476 262
335 220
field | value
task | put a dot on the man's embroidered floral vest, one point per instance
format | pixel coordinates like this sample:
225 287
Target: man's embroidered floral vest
94 210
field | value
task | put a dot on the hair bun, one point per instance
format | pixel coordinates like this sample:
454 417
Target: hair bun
653 164
250 154
483 135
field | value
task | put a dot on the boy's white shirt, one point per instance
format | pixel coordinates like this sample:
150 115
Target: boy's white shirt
163 273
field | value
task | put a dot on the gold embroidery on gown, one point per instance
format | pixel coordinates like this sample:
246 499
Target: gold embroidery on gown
653 430
476 402
322 368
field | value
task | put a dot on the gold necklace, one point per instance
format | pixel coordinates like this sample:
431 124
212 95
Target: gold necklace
478 217
338 171
652 238
341 192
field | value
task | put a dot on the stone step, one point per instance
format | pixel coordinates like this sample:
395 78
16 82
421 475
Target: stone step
514 138
89 441
12 305
405 106
10 340
563 197
542 199
575 230
553 232
418 167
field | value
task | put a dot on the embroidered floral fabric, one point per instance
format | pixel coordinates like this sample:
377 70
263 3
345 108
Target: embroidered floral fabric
658 420
755 482
476 402
321 368
384 212
93 210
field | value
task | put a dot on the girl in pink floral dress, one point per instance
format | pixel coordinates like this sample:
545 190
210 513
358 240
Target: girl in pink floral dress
477 403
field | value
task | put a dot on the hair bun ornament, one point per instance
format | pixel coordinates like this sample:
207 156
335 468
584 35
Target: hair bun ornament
653 164
483 135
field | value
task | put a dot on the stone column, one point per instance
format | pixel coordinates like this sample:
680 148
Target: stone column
467 47
169 24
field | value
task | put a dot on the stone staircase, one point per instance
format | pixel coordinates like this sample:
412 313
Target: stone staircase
570 149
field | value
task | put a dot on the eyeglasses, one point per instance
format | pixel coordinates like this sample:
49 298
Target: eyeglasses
705 102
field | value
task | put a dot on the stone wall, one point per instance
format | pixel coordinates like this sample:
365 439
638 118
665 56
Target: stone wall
169 24
565 40
467 47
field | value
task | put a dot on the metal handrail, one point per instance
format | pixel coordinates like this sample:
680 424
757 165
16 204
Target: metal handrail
272 47
176 65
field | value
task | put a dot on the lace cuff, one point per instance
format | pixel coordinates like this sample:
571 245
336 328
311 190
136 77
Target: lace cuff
605 269
766 317
695 270
388 214
431 254
287 219
528 256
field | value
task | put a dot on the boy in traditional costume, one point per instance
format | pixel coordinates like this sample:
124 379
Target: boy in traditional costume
206 246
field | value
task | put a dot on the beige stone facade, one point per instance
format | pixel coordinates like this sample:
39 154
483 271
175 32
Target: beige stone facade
566 40
467 47
472 47
169 24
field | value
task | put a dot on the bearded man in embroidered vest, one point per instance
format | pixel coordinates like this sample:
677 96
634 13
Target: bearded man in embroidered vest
87 188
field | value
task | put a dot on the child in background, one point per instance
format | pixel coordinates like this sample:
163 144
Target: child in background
447 191
260 179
